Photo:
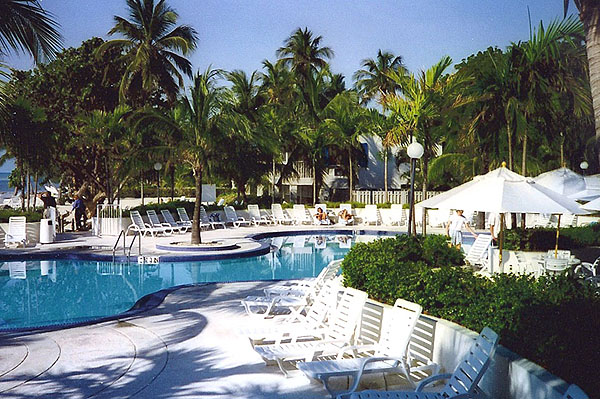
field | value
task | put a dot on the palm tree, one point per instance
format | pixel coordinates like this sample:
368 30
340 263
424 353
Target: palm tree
424 108
589 13
343 119
303 53
373 82
378 124
154 49
26 27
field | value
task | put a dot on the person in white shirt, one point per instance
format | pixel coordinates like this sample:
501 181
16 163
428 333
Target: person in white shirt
494 223
454 228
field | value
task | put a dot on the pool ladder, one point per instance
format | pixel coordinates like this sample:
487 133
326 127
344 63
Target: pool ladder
126 250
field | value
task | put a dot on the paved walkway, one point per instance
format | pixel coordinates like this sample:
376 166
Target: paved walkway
187 347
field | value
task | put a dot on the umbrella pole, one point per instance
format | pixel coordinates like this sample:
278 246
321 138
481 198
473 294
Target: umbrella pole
501 240
557 233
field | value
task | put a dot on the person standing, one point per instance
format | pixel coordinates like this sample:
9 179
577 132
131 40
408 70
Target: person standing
454 228
79 209
49 203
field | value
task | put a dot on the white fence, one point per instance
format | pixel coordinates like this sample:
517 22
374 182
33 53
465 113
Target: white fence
108 220
394 197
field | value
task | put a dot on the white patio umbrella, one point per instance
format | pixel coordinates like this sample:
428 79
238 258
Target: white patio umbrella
562 180
502 191
592 189
592 205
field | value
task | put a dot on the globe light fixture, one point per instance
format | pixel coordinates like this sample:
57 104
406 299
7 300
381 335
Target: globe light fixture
584 165
415 151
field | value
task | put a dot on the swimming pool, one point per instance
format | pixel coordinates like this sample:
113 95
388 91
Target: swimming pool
56 292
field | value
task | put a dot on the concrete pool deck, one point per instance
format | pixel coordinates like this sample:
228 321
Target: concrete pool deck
187 347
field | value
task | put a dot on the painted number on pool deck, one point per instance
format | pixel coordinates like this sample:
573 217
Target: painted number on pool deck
151 260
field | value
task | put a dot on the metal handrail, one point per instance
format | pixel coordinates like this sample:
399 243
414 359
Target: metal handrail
122 233
137 234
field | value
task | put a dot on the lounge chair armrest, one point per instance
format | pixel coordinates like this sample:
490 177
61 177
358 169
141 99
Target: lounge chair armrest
355 349
431 379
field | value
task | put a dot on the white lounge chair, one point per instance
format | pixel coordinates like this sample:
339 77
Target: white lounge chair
323 208
139 225
299 326
544 220
256 217
235 220
397 215
574 392
17 231
155 222
341 325
206 221
183 228
279 215
348 208
300 214
589 272
310 287
390 354
478 251
371 215
17 270
461 384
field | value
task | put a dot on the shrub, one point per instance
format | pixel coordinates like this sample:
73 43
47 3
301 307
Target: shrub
552 321
32 216
542 239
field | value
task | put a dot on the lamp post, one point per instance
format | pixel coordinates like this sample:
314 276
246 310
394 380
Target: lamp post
415 151
584 165
157 167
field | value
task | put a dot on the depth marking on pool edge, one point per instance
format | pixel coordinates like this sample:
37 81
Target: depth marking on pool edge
149 260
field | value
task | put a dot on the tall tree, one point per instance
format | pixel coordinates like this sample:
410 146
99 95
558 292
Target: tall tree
154 50
372 81
589 13
26 27
303 52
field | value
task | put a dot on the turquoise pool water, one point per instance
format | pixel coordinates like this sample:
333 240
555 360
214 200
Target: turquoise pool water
41 293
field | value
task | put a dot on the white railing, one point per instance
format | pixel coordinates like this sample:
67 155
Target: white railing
394 197
108 220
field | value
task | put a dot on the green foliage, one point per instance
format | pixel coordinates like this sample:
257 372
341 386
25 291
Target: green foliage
377 266
551 321
542 239
32 216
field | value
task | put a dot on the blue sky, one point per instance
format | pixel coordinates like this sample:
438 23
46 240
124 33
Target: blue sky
241 34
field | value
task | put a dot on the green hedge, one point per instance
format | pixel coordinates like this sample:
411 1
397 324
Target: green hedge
542 239
31 216
553 321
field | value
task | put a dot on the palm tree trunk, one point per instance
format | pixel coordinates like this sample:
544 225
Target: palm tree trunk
28 190
35 182
590 15
524 157
142 188
22 170
172 182
196 237
350 175
424 162
385 175
314 184
509 137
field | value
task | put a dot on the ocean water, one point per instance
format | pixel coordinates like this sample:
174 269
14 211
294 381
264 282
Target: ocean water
4 182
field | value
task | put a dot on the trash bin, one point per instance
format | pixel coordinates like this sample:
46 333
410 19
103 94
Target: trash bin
46 231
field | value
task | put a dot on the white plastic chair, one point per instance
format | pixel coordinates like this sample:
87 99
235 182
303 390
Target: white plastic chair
279 216
371 215
256 217
311 286
478 251
234 219
139 225
171 221
17 270
341 325
397 215
17 231
323 208
205 220
390 354
348 208
461 384
300 215
156 223
299 326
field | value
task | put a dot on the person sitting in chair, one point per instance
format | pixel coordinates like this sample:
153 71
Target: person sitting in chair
345 215
321 216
